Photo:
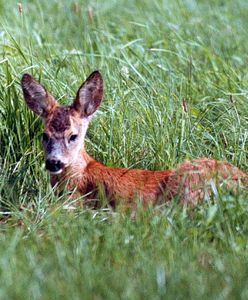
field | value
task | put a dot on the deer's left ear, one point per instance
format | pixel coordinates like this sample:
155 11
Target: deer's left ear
37 97
89 95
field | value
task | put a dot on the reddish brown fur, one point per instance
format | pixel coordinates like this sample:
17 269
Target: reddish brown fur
191 181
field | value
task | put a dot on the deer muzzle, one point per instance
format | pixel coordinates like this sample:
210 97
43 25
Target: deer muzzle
54 166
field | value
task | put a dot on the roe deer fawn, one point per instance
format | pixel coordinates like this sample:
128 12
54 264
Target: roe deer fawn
68 161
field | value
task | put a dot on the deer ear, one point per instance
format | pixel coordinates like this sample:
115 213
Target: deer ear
36 96
89 95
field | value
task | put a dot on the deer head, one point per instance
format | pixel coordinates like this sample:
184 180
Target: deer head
65 126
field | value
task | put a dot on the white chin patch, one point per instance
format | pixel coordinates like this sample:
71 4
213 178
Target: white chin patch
57 172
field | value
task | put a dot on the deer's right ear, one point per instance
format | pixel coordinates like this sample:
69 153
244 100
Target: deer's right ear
36 96
89 95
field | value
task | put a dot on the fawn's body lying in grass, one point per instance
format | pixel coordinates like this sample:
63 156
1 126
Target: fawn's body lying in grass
67 160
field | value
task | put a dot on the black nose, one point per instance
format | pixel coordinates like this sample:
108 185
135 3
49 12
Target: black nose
54 165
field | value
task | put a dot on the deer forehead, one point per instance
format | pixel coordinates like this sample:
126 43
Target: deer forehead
63 121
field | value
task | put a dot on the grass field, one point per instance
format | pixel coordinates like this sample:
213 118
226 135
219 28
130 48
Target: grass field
153 55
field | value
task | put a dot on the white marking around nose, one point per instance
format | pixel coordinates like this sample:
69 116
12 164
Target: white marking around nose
56 152
56 173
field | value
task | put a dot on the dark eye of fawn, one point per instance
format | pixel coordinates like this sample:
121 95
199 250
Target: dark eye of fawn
73 138
45 137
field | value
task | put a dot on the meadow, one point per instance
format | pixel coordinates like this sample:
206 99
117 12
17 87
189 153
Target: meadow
176 87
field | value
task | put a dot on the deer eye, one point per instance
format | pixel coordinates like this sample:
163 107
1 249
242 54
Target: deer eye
45 137
73 137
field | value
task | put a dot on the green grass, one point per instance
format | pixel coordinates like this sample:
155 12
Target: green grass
152 54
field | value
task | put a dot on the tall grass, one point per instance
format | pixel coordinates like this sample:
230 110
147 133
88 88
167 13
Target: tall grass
175 75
